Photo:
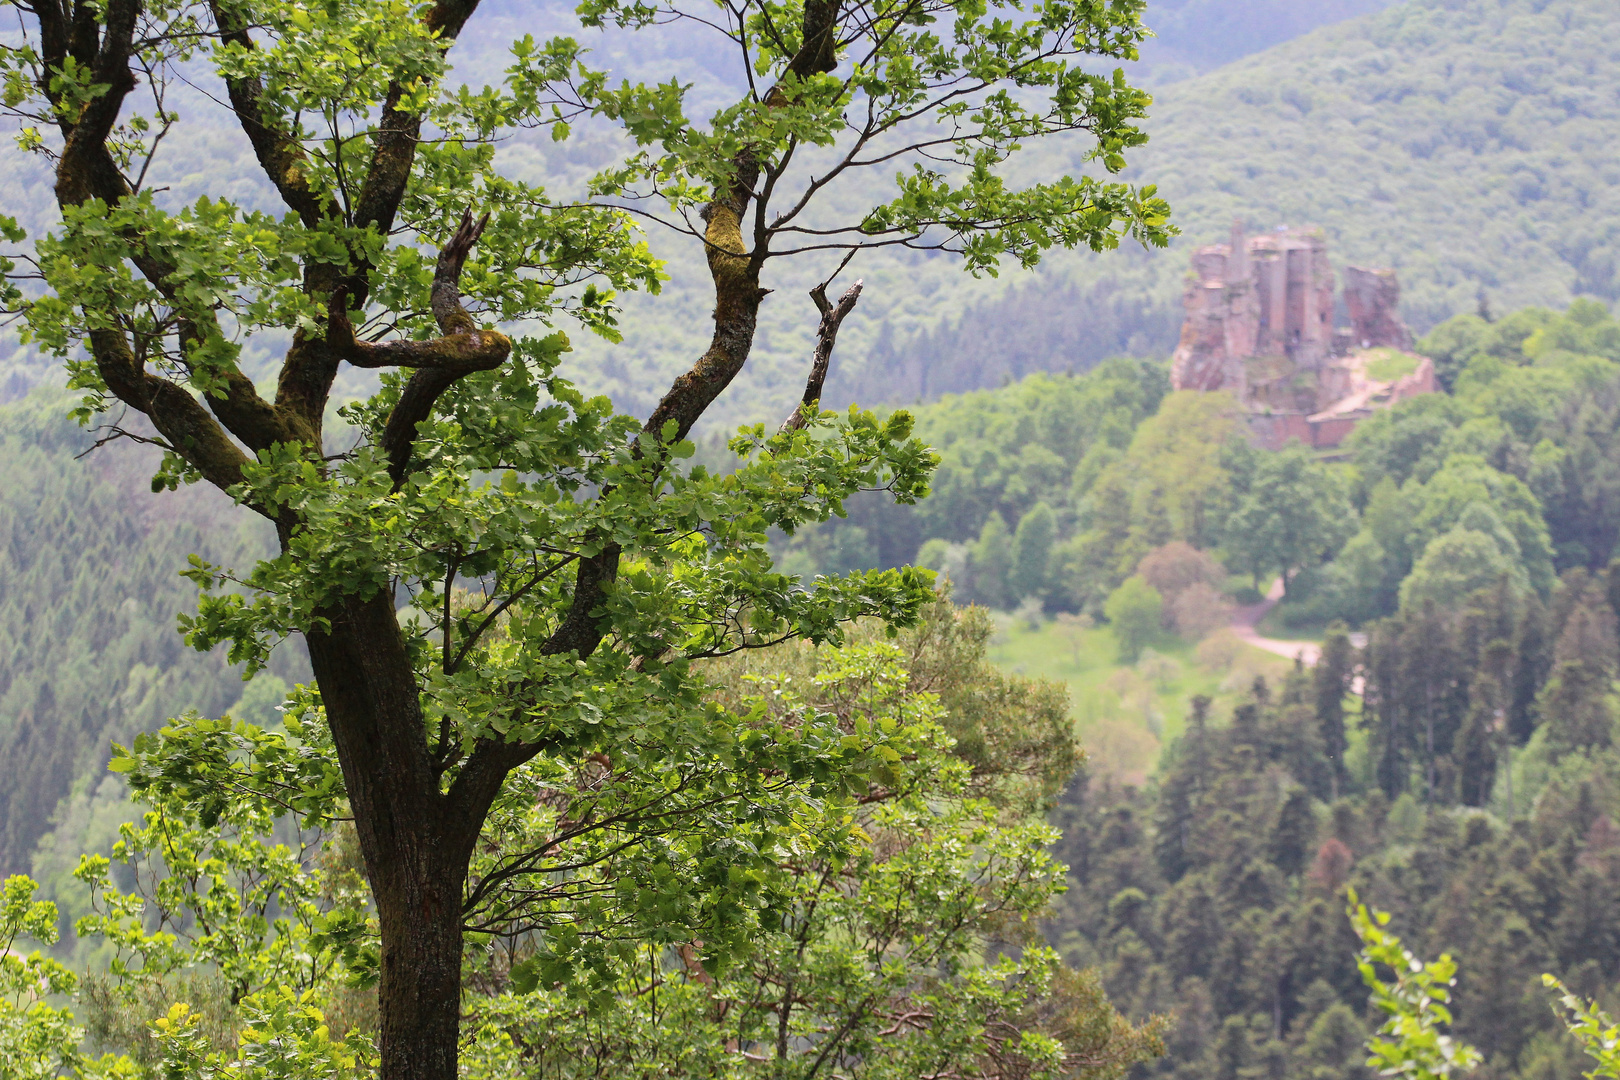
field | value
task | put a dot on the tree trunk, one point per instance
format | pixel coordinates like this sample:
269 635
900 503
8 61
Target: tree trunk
419 998
416 850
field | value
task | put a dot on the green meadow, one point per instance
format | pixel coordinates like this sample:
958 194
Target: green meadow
1125 713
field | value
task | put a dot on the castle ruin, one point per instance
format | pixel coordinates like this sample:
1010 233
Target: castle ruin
1259 325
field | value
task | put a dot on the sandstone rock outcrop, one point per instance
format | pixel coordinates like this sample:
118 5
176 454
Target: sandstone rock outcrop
1265 296
1373 297
1259 324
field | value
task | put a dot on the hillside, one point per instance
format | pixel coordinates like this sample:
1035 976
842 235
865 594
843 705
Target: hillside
1467 143
1470 144
1196 36
89 591
1317 124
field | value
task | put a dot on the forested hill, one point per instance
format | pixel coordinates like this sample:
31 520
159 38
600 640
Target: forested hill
89 591
1472 144
1195 36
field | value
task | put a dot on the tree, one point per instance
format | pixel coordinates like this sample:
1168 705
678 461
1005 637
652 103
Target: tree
1332 678
889 920
1485 740
1591 1027
1295 515
1382 710
1456 565
1182 486
1134 611
1433 691
993 563
1468 492
562 571
1411 1041
1576 699
1032 552
1294 837
1332 1047
38 1041
1178 566
1199 611
875 967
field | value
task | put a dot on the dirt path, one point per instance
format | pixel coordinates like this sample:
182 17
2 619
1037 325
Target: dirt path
1245 619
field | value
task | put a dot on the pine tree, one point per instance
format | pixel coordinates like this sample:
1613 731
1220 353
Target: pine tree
1575 700
1475 750
1294 836
1332 1047
1382 712
1433 690
1532 662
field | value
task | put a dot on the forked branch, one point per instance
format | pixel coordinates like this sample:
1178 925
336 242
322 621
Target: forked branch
463 348
832 317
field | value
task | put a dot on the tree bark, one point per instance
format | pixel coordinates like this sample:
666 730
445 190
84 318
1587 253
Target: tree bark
412 837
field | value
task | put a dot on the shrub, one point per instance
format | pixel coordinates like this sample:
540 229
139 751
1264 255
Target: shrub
1199 611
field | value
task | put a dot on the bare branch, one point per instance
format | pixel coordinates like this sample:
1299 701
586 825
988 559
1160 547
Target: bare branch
832 317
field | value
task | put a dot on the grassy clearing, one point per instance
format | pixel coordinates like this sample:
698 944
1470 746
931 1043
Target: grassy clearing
1125 713
1387 365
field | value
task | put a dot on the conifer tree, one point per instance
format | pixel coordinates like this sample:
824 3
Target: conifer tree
1532 660
1576 698
1293 838
1334 672
1433 689
1476 745
1382 712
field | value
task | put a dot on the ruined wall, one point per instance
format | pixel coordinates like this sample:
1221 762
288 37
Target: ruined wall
1222 319
1295 284
1259 323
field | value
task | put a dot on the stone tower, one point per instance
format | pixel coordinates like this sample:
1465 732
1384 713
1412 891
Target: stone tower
1374 297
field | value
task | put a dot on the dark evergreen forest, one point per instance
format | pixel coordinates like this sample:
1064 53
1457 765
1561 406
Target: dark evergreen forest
89 593
1472 791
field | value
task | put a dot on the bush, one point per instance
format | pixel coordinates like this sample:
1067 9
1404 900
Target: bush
1219 651
1177 567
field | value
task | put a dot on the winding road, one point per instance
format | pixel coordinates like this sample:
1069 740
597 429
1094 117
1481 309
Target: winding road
1246 619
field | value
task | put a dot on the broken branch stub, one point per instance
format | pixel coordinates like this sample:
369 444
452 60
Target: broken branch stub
832 316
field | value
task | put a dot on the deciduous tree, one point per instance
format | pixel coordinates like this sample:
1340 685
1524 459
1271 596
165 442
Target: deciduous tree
495 574
1134 611
1295 515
